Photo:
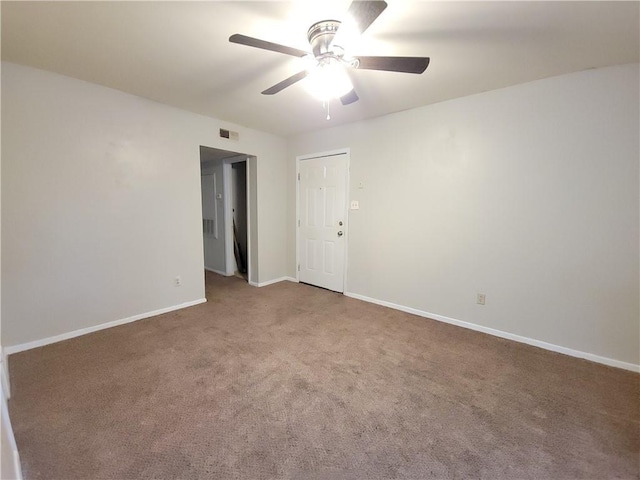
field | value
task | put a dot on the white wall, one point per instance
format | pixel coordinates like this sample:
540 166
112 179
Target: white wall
527 194
272 216
4 370
101 203
9 459
252 166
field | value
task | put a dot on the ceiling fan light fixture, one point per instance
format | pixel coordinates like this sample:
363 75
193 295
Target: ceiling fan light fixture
324 74
328 80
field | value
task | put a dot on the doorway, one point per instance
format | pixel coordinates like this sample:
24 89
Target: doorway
238 218
322 219
227 195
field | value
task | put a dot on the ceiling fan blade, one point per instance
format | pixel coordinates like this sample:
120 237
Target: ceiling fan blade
394 64
263 44
285 83
364 13
349 98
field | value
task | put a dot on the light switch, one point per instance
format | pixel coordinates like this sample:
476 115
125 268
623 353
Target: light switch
355 205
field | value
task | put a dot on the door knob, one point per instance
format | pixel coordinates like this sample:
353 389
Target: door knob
340 233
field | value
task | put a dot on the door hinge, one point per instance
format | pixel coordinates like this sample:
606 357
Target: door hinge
298 222
298 176
298 267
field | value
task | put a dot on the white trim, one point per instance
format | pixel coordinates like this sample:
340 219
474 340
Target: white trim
229 256
346 151
6 424
5 379
499 333
83 331
6 384
219 272
226 214
275 280
328 153
297 220
248 219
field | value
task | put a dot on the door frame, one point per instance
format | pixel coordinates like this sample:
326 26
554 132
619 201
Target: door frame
347 197
228 215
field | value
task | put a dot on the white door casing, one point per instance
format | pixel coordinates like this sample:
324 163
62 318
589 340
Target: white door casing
322 228
228 212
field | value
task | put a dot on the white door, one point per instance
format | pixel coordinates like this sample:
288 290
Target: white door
323 221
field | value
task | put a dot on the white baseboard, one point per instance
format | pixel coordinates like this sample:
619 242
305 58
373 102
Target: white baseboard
499 333
8 431
219 272
83 331
6 386
275 280
4 380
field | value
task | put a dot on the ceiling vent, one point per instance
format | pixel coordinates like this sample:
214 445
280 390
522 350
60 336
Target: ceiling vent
229 134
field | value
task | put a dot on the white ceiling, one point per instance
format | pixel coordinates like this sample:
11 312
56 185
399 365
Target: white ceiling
178 53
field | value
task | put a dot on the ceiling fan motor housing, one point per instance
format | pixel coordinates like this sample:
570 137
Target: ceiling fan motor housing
321 36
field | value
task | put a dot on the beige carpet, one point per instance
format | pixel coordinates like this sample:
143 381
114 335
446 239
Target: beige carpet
291 381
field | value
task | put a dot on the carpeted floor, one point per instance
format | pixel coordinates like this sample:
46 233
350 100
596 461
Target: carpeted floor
291 381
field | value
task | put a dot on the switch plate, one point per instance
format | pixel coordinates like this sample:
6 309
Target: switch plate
355 205
481 298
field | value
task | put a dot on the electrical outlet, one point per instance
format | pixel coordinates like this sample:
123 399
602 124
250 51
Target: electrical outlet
355 205
177 282
481 298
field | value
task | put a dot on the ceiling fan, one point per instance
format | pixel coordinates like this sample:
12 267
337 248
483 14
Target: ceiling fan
328 61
